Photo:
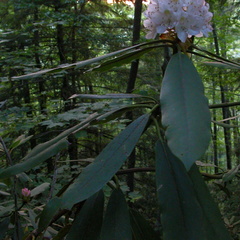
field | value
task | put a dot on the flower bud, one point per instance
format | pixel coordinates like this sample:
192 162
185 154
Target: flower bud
26 194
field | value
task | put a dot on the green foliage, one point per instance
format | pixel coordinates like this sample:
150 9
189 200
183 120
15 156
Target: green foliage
180 212
88 222
68 131
116 223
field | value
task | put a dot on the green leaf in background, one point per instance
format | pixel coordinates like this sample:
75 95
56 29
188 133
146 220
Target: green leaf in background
45 150
141 229
116 223
185 112
213 223
39 189
107 163
231 174
33 161
19 141
181 215
88 222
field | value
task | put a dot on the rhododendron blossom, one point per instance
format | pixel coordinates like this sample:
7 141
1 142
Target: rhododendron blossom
185 17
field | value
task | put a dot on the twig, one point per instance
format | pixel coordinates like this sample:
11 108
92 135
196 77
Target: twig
226 104
152 169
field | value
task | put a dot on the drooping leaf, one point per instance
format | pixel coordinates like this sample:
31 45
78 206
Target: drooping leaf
116 223
87 224
126 57
185 112
224 65
141 229
39 189
214 57
181 215
82 64
107 96
225 125
107 163
213 223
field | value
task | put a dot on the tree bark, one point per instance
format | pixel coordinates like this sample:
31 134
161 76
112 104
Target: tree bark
131 84
225 110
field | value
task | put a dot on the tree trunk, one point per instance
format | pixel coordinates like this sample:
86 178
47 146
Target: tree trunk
131 83
225 110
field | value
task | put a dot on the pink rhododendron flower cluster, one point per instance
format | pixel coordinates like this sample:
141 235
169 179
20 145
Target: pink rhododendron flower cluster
185 17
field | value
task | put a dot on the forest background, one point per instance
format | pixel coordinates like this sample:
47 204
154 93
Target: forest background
52 38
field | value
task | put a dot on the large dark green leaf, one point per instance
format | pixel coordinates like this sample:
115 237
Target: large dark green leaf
116 223
87 224
214 226
181 214
45 150
126 57
185 112
49 212
141 228
107 163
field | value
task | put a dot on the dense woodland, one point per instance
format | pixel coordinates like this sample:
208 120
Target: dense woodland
47 87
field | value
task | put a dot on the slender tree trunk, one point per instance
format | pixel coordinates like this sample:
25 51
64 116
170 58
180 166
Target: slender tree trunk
41 84
131 83
214 133
225 110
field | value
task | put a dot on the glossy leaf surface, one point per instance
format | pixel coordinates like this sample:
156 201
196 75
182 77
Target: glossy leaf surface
87 224
107 163
181 215
185 112
116 223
